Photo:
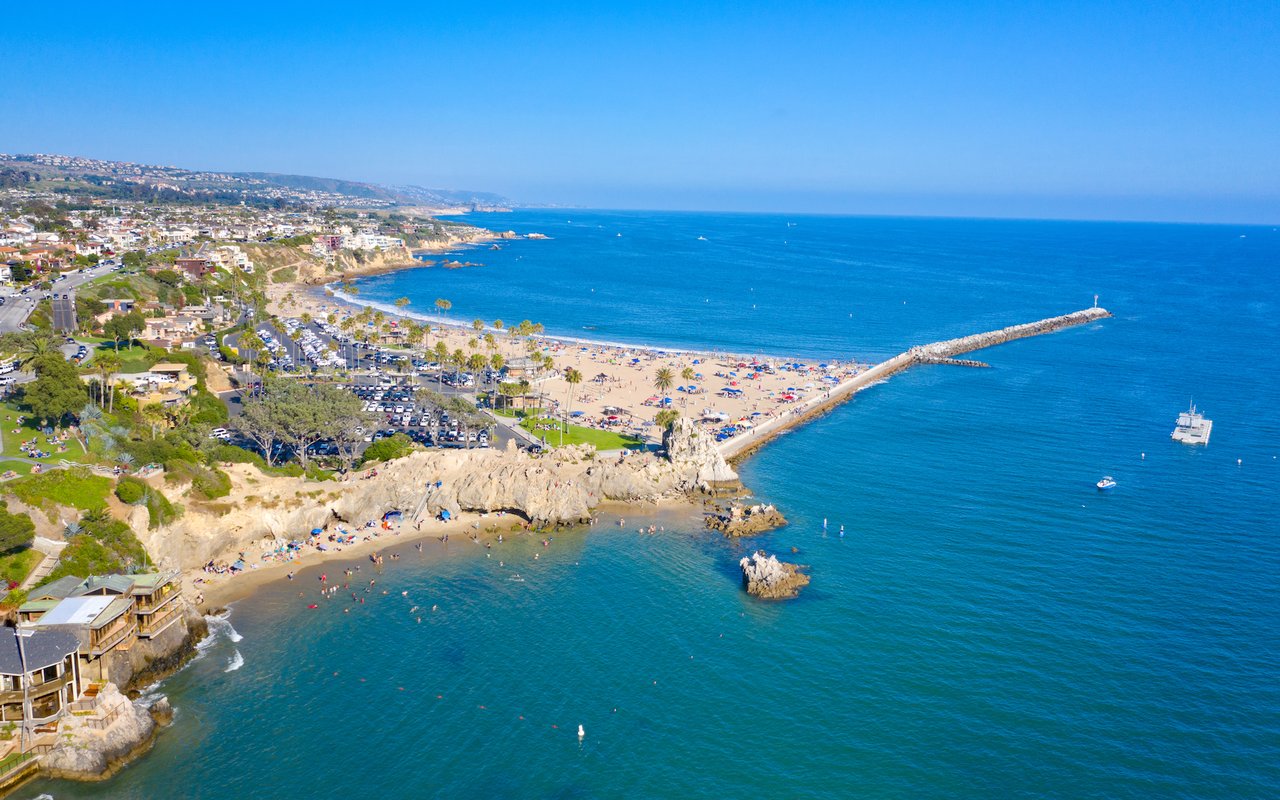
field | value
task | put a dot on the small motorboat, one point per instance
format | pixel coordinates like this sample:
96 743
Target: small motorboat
1107 482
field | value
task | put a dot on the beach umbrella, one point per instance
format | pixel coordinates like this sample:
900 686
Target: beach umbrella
315 531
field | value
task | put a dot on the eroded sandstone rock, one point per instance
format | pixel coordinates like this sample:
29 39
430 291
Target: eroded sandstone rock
765 576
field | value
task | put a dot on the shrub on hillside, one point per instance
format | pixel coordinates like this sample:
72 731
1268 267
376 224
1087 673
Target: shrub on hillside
388 449
207 483
16 530
104 546
130 490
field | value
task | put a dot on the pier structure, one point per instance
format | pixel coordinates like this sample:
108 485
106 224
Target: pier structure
943 352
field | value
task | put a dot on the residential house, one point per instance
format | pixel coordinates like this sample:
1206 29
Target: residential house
105 613
171 330
165 383
196 266
39 675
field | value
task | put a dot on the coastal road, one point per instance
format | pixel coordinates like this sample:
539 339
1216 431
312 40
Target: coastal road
64 312
14 313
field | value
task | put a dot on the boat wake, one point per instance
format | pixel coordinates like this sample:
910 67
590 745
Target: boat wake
236 662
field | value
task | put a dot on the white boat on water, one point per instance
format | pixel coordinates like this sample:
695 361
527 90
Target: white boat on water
1192 427
1107 482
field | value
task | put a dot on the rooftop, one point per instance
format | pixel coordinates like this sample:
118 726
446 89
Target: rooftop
40 648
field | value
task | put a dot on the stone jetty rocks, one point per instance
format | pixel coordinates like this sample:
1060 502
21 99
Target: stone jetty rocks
740 520
765 576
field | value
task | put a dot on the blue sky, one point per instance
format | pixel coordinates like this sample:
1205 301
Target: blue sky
1090 110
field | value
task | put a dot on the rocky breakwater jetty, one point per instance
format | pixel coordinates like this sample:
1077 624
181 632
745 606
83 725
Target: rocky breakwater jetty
93 743
740 520
555 488
765 576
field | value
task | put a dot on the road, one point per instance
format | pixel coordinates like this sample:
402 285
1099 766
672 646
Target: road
18 307
64 312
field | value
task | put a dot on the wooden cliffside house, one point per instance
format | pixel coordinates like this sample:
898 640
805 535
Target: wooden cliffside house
105 613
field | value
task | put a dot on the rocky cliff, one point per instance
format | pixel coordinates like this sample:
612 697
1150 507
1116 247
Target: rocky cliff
150 660
92 747
559 487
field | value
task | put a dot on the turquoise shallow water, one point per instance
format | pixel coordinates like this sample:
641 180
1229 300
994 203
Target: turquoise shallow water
989 626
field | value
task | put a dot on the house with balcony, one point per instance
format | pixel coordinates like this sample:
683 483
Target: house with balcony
101 622
156 602
39 675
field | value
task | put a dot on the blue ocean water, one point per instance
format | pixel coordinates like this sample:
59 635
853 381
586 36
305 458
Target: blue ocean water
989 625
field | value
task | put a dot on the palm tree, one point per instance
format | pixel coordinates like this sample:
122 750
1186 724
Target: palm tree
443 305
107 364
687 373
402 303
34 347
477 325
442 356
179 415
250 341
663 379
572 377
154 415
347 325
497 324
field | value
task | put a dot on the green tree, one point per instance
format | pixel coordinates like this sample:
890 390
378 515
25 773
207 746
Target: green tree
687 373
17 531
57 392
443 304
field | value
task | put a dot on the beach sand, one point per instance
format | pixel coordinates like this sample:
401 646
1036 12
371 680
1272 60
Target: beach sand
618 391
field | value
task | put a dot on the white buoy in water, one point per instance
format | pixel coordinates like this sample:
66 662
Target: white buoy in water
581 732
1144 456
1239 462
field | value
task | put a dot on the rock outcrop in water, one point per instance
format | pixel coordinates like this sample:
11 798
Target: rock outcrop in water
765 576
741 520
92 746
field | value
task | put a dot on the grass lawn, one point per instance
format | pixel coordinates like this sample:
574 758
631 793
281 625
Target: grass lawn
16 566
27 430
577 434
131 361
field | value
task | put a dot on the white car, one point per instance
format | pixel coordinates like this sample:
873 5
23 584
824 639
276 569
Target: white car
219 433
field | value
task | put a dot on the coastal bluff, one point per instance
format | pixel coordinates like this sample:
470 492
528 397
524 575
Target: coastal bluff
556 488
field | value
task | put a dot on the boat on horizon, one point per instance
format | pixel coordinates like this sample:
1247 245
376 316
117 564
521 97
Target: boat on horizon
1107 482
1192 427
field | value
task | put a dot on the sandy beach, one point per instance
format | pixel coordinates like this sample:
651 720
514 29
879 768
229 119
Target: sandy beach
618 390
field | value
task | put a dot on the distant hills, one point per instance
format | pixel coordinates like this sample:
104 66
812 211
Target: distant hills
126 180
398 195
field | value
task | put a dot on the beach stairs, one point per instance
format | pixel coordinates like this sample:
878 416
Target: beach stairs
50 551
